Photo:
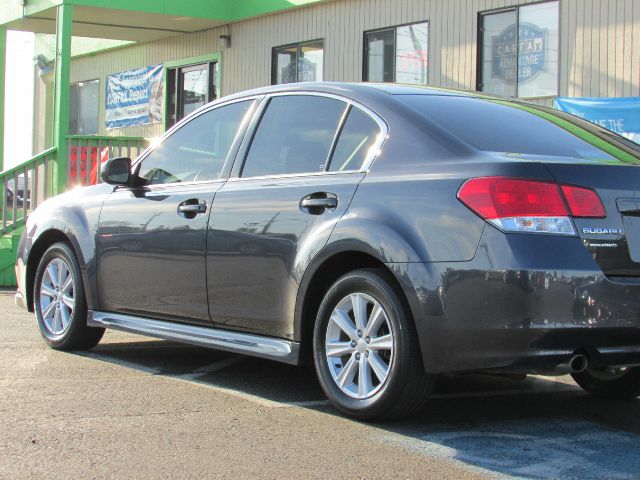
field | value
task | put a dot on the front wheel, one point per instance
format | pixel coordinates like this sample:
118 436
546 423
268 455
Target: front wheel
366 349
609 382
59 301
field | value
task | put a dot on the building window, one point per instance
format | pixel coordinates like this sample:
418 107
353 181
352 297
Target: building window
84 108
300 62
519 51
189 88
397 54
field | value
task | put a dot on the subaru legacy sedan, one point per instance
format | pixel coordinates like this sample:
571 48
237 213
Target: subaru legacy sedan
387 234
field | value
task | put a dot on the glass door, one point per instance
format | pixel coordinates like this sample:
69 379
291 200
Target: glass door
190 87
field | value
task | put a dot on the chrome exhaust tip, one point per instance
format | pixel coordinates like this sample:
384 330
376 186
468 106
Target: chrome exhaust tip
578 363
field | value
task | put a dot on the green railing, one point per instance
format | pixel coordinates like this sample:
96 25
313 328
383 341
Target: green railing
24 187
27 185
87 153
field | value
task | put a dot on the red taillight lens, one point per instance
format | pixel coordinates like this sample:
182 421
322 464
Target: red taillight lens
583 202
501 197
531 206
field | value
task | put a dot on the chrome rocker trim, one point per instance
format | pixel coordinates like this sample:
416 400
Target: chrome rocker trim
244 343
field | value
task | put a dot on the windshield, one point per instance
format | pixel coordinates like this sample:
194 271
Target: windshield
505 127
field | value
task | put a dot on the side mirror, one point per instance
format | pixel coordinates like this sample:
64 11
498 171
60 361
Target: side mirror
117 171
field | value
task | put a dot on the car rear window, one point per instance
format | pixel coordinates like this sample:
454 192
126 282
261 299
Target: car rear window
514 129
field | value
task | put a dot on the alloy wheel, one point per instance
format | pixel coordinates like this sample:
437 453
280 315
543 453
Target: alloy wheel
359 345
57 296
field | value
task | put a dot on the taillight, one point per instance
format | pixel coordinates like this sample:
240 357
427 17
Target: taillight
583 202
519 205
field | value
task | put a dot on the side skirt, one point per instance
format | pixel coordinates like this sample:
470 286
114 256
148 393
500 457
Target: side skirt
243 343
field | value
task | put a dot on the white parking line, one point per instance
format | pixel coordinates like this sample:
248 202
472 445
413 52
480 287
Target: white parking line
118 361
308 403
263 402
212 367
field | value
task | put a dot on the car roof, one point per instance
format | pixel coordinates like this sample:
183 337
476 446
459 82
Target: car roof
351 90
404 89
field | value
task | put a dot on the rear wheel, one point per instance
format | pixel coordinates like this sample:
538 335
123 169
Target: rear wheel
366 349
59 301
607 382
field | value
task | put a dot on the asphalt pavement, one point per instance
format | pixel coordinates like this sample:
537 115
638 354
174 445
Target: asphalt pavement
135 407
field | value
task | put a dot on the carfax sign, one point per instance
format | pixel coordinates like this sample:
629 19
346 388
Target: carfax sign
134 97
523 55
306 71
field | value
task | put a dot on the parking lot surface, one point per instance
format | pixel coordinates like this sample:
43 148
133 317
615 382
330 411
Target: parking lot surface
135 407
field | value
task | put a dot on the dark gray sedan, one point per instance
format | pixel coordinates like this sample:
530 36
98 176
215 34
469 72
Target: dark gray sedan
386 233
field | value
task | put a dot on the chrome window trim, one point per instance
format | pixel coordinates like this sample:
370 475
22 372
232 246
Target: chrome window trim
374 151
159 187
183 123
293 175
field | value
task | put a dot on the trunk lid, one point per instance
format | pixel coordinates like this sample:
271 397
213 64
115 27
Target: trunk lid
613 241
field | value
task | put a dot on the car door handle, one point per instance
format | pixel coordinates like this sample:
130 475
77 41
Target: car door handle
199 208
191 208
317 203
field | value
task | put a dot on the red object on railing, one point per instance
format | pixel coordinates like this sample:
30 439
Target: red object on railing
88 158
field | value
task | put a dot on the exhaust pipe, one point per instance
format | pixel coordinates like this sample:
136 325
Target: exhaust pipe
578 363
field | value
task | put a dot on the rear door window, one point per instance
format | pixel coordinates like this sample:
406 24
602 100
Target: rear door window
295 135
359 134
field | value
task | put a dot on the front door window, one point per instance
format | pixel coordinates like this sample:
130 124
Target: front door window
197 150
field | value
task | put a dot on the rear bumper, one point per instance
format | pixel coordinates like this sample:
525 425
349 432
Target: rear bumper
524 303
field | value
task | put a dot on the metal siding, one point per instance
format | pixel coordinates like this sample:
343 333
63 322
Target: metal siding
567 47
619 52
599 43
595 46
635 46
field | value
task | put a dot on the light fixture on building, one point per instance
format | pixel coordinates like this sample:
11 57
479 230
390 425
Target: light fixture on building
44 66
226 41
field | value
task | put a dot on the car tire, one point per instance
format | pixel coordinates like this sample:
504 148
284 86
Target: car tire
610 383
59 301
370 369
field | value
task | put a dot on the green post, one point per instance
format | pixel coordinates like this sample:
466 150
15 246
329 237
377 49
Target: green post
62 93
3 56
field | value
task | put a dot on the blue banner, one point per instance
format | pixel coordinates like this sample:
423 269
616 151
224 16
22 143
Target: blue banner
134 97
620 115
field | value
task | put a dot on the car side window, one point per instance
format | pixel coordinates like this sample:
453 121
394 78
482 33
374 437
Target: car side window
358 136
196 151
294 136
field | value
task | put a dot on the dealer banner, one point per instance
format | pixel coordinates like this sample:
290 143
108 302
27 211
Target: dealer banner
134 97
620 115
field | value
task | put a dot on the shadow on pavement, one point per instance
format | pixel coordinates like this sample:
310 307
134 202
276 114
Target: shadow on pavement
534 428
